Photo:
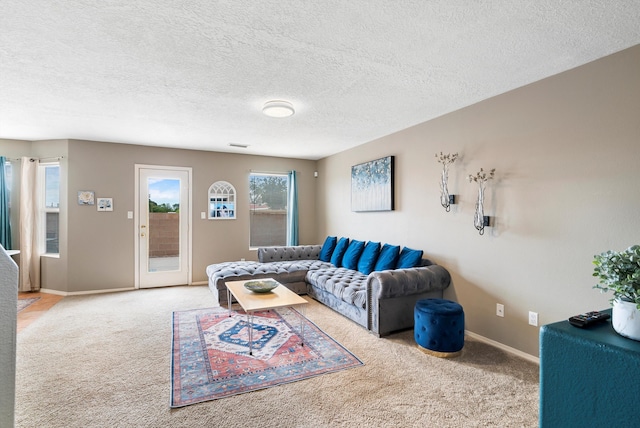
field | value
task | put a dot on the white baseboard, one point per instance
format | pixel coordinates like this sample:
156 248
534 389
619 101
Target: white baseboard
502 346
79 293
56 292
111 290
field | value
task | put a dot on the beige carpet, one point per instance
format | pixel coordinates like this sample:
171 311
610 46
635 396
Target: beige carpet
104 361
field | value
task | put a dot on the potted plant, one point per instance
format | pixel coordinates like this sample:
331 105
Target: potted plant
619 272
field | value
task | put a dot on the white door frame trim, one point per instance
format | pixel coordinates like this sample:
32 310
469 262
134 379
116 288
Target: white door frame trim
136 216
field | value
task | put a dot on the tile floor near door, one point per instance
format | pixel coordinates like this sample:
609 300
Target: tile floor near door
36 309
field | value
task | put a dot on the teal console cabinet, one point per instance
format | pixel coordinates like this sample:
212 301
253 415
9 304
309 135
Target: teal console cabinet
588 377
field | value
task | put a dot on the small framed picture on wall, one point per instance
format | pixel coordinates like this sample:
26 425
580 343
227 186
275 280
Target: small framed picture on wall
85 197
105 204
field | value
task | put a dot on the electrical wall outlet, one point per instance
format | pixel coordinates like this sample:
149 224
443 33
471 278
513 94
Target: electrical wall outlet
533 318
500 309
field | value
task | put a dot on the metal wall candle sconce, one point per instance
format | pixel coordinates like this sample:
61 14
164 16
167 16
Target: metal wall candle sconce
480 221
446 200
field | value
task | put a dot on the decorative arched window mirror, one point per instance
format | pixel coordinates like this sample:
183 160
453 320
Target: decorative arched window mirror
222 201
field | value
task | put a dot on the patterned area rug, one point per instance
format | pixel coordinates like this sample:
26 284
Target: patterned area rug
210 353
23 303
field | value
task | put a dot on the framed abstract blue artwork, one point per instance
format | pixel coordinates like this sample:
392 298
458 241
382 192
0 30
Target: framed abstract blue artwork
372 185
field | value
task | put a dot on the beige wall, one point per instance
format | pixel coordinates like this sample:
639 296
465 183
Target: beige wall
101 244
97 248
566 153
14 148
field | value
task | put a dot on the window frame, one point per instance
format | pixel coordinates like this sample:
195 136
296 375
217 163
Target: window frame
283 175
8 176
44 210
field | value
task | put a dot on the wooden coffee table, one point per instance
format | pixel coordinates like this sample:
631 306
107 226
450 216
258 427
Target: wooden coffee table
279 297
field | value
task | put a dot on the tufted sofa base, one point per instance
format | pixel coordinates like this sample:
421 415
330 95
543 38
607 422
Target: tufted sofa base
382 317
382 302
354 313
401 307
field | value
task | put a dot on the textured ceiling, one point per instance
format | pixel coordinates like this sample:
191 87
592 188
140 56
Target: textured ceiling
195 74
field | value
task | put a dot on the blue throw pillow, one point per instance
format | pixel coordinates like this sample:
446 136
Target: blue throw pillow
351 257
327 248
409 258
388 257
369 257
338 252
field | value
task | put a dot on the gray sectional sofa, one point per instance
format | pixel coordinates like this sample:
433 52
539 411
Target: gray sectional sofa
382 301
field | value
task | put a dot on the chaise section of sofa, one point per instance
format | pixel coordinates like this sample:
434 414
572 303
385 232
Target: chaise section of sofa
287 265
382 301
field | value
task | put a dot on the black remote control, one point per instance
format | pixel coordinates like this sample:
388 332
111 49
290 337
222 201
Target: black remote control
588 318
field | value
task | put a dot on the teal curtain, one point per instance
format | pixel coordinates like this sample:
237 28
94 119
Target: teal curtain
292 209
5 224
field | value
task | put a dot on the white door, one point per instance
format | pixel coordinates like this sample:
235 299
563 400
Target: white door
163 226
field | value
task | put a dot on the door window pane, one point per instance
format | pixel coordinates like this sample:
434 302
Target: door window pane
164 224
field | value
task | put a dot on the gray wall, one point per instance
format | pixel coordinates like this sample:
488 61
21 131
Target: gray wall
8 315
566 153
101 244
97 248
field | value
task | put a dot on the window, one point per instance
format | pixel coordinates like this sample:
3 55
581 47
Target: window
268 209
51 208
8 177
5 204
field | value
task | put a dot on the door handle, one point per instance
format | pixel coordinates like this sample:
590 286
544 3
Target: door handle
142 234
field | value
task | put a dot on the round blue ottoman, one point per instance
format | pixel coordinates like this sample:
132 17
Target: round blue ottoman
439 327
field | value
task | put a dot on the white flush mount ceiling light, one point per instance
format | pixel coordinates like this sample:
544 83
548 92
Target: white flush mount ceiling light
278 109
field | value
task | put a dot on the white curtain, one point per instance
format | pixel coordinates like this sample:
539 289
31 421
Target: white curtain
31 236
